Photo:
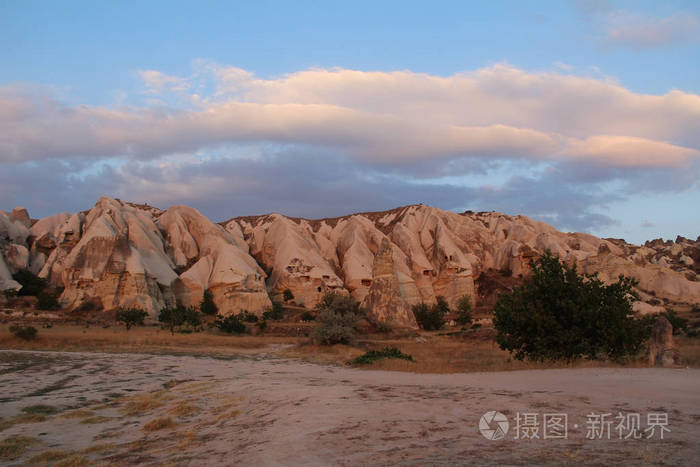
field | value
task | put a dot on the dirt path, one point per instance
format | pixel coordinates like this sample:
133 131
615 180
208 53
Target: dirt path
152 409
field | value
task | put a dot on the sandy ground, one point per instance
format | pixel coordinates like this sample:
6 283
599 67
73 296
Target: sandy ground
267 411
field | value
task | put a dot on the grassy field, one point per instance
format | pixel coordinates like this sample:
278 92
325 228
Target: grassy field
432 352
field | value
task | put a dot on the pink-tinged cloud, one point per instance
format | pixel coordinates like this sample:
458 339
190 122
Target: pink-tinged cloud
498 112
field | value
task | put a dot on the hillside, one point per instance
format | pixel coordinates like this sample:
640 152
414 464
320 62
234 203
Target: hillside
124 254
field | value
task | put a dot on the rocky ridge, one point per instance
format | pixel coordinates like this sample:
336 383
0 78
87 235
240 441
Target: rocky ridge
126 254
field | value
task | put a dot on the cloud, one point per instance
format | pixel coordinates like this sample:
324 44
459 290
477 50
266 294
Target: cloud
297 183
326 142
385 118
157 82
618 27
639 31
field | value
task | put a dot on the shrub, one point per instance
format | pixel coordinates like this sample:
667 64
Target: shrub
175 317
207 306
442 306
382 326
26 333
307 316
275 313
9 293
387 352
247 317
287 295
464 311
229 324
680 325
336 319
32 285
131 317
47 301
559 314
428 318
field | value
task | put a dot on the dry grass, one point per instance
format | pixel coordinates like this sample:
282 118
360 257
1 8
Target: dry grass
689 351
75 460
147 339
143 403
99 448
158 424
97 419
187 440
15 446
439 354
78 413
19 419
50 457
184 408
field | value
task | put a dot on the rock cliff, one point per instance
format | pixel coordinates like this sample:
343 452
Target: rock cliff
124 254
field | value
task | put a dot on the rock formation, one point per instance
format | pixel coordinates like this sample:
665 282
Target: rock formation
661 349
122 254
384 300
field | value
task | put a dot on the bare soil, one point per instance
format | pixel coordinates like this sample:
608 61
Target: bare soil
81 408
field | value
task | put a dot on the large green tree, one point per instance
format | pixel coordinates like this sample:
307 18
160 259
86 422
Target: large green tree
559 314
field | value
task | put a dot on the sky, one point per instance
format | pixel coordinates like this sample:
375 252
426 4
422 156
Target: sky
582 114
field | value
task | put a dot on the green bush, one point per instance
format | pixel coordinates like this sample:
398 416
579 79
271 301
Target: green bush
247 317
47 301
464 311
307 316
287 295
178 316
442 306
32 285
275 313
229 324
207 306
131 317
9 293
26 333
372 356
429 318
336 319
558 314
680 325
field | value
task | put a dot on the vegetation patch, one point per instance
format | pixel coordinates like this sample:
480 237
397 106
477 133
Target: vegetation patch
372 356
26 333
139 405
95 420
40 409
131 317
559 314
159 424
230 324
50 457
337 317
14 446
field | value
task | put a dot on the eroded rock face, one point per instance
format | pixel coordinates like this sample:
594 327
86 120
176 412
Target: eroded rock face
119 260
212 258
383 300
123 254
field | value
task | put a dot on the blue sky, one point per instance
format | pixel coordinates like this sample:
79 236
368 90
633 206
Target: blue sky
324 108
